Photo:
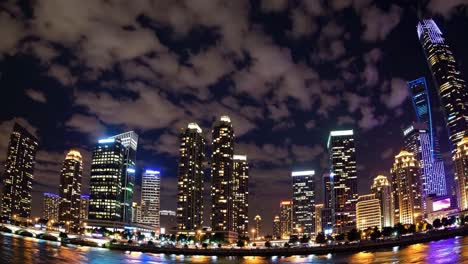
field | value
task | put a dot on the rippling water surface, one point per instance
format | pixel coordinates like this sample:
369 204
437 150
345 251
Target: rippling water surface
29 250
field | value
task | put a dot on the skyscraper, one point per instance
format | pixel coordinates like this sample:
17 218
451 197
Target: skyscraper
304 202
258 226
318 218
461 173
368 212
222 215
84 207
70 188
190 179
150 197
382 190
106 180
50 207
406 182
130 142
18 176
452 89
327 191
286 216
241 194
276 227
343 174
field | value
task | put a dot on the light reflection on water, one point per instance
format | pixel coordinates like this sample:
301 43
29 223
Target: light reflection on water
28 250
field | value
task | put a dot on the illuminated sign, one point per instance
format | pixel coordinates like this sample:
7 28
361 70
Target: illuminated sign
131 170
239 157
303 173
107 140
408 130
441 205
285 202
151 172
194 126
341 133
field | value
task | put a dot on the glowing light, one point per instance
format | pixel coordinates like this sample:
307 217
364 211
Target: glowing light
303 173
338 133
226 119
441 205
408 130
239 157
151 172
195 126
107 140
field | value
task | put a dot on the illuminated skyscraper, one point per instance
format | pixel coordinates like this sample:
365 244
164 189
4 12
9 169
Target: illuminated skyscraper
343 175
241 194
130 142
452 89
368 212
190 179
50 208
84 207
327 191
18 176
106 180
150 197
286 216
461 173
304 202
276 227
406 183
382 190
70 188
258 226
318 218
222 215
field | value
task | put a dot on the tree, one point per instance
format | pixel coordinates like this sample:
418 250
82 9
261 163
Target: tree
340 237
387 231
445 221
466 219
205 245
320 238
354 235
304 239
182 238
400 229
375 234
429 226
330 238
241 243
219 245
63 235
412 228
436 223
293 239
286 245
150 243
218 238
268 244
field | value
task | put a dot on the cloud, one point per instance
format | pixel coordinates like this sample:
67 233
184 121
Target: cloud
446 7
274 5
12 31
166 144
36 95
397 95
311 124
378 23
86 124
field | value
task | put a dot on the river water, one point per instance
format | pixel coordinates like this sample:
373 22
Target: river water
14 249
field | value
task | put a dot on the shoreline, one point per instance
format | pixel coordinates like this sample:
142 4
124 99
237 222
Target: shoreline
284 252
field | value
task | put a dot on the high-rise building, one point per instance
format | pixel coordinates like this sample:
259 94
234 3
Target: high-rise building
70 188
190 179
286 217
276 227
18 176
241 194
168 220
318 218
258 226
343 174
327 191
50 208
452 89
382 190
106 180
368 212
328 220
461 173
136 212
150 197
130 142
406 183
222 215
304 202
84 207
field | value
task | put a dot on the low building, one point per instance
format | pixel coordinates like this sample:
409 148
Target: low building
368 213
50 209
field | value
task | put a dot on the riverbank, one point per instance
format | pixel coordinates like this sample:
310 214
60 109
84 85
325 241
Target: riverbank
321 250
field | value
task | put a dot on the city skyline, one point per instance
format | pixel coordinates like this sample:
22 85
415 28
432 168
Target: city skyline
281 115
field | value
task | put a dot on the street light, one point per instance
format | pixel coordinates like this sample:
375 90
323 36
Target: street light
253 234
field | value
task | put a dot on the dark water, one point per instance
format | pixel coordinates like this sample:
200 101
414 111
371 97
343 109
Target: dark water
28 250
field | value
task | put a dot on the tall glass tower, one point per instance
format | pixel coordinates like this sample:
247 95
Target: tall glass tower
241 194
452 89
303 202
70 188
150 197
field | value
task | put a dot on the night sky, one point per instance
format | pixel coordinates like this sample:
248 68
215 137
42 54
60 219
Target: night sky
285 72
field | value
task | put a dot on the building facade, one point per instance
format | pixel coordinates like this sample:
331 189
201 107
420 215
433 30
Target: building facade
190 179
406 184
222 205
50 207
382 189
327 191
168 220
461 173
84 207
150 197
343 175
70 188
286 218
241 194
18 176
318 218
276 227
368 212
304 202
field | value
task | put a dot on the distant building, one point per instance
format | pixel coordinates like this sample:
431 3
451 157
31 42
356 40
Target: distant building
368 212
258 226
328 191
286 217
328 220
276 227
70 188
50 208
406 182
168 220
241 194
382 189
84 206
150 197
304 202
18 176
318 218
461 173
136 212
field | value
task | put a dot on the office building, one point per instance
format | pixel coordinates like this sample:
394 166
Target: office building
70 188
241 195
222 214
406 185
451 87
461 173
286 217
327 191
328 220
190 179
382 189
18 175
150 197
136 212
318 218
50 208
304 202
343 174
258 226
276 227
84 207
368 212
168 220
